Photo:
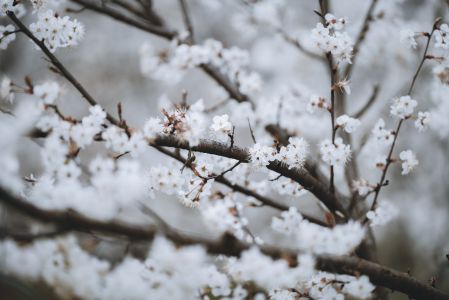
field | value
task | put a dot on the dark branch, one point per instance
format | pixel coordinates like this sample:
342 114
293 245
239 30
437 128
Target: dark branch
230 246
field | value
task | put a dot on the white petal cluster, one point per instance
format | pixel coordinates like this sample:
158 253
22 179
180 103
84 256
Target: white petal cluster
422 121
403 107
47 91
330 39
221 128
152 128
347 123
339 240
6 92
6 36
294 154
261 155
226 215
331 286
409 161
335 154
382 135
189 125
288 187
57 32
166 179
384 213
119 141
254 266
9 5
362 187
170 65
442 37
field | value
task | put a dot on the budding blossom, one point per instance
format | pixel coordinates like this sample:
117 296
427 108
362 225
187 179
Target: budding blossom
409 161
422 121
329 39
57 32
347 123
442 37
403 107
384 213
336 153
408 38
6 36
317 102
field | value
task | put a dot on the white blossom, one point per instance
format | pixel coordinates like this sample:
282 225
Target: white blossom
403 107
442 37
57 32
409 161
6 92
48 92
335 153
422 121
347 123
382 135
384 213
362 187
261 155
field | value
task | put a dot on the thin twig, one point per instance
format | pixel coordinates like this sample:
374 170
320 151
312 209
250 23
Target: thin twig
368 104
187 20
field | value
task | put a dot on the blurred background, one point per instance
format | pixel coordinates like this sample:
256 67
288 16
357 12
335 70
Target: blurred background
107 63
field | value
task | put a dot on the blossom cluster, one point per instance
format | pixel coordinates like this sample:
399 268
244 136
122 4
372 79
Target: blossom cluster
293 155
170 64
340 240
57 32
335 154
329 38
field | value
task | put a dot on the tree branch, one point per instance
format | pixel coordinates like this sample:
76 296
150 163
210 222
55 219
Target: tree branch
302 176
230 246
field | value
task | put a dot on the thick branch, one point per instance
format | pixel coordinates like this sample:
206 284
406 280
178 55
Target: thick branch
302 176
243 190
228 245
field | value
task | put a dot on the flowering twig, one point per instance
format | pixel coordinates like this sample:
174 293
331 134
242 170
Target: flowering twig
58 64
398 128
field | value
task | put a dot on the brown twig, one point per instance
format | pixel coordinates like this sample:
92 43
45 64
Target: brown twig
381 182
